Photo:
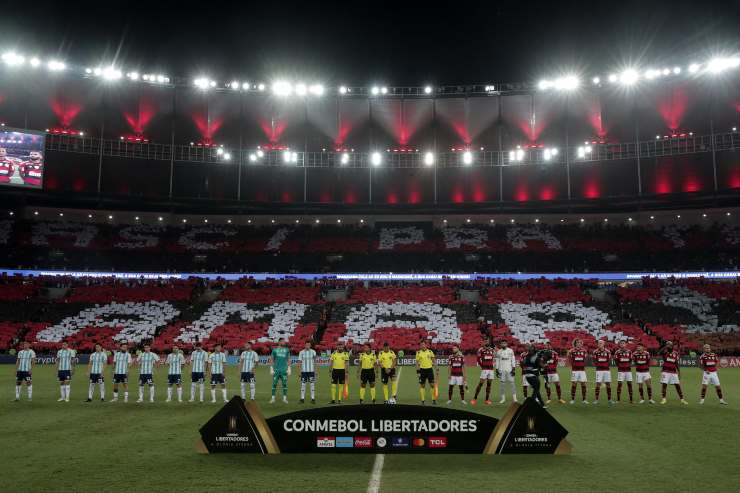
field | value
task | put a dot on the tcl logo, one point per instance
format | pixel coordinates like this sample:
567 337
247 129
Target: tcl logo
363 442
437 442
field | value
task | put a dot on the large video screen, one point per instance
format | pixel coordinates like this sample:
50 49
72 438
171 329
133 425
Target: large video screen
21 158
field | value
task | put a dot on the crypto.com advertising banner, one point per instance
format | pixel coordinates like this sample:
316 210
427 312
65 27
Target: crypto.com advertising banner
21 158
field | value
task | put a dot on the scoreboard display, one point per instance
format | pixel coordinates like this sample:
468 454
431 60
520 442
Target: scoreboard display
21 158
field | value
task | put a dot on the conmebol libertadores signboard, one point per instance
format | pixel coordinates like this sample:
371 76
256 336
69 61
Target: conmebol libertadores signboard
240 427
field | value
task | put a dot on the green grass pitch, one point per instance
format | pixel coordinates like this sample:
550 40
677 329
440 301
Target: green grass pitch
76 446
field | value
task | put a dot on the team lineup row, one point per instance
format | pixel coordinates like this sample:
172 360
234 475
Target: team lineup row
494 362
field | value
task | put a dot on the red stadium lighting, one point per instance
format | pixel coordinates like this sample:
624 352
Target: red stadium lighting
65 131
136 139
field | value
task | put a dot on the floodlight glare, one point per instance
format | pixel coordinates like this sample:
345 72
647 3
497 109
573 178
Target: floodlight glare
345 158
428 90
282 88
111 73
694 68
316 89
596 80
629 77
260 87
56 66
227 156
245 86
567 83
376 158
342 90
383 90
520 155
544 85
547 154
34 62
133 75
512 156
201 83
429 158
220 151
260 153
234 84
300 89
666 71
467 158
253 157
286 156
375 90
676 70
613 78
13 59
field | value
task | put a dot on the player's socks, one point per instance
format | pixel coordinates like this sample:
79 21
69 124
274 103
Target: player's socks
223 394
477 391
719 393
362 393
192 392
385 391
664 389
252 390
488 390
558 391
243 389
202 391
90 390
169 393
703 393
619 391
583 391
680 392
394 388
151 393
642 393
30 391
141 393
650 393
597 392
213 395
101 387
372 393
462 393
17 392
125 396
547 391
62 388
449 393
179 394
303 391
422 394
608 392
629 391
525 391
333 392
572 391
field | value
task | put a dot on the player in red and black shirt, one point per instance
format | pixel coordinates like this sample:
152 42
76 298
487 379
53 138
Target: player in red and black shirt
577 359
641 358
457 374
602 358
7 166
623 358
551 373
486 361
670 373
708 362
32 170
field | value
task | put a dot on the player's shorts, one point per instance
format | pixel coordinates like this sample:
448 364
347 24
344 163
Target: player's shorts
23 376
175 379
146 378
426 375
387 374
197 377
603 376
64 375
367 376
337 376
505 376
218 378
624 376
96 378
643 376
247 377
578 376
120 378
308 377
552 378
487 374
456 380
669 378
710 378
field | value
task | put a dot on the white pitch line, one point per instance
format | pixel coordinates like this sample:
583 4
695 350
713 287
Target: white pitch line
374 485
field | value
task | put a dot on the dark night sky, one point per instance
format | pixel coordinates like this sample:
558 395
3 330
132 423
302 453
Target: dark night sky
400 43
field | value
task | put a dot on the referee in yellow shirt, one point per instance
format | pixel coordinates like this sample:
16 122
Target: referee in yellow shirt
426 367
339 368
387 360
368 365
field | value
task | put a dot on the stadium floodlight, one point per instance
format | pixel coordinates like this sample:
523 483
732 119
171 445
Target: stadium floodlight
146 77
227 156
376 158
428 90
286 156
694 68
342 90
88 70
512 156
97 72
300 89
56 66
596 80
520 155
383 90
253 157
260 87
234 85
429 158
344 159
34 62
676 70
202 83
544 85
111 73
375 90
467 158
134 76
282 88
717 65
220 151
613 78
294 157
547 154
629 77
651 73
260 153
316 89
245 86
567 83
666 71
163 79
13 59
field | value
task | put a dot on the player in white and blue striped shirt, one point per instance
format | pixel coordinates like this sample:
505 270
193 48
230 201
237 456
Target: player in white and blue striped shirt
198 360
24 362
248 360
95 369
217 360
65 360
175 360
307 360
121 361
146 362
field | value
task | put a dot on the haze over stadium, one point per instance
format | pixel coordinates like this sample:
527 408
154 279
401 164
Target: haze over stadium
363 235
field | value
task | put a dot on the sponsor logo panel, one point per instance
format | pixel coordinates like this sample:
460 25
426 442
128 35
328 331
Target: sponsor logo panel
325 442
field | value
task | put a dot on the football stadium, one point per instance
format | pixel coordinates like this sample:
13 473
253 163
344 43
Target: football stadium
269 268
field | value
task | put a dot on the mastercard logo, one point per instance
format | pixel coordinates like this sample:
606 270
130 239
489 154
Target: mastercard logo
419 442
